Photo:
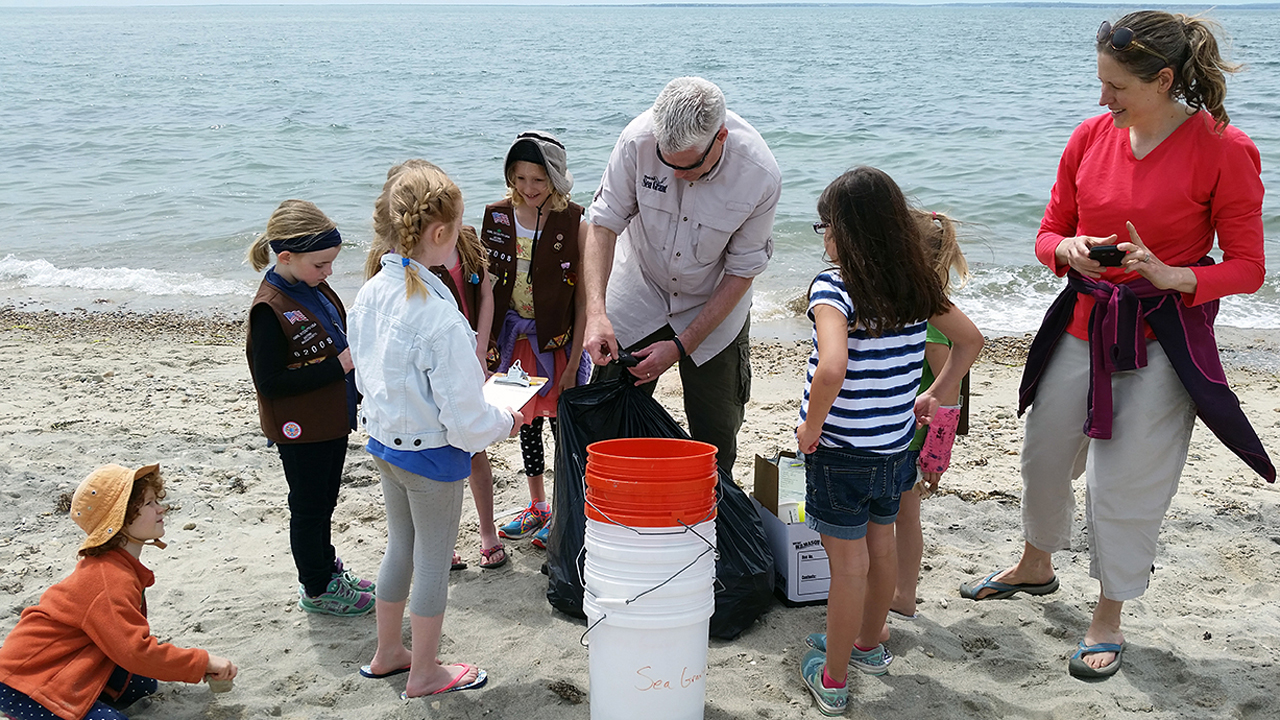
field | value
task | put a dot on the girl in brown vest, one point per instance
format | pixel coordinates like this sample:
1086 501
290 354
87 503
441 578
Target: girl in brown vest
302 371
533 237
467 277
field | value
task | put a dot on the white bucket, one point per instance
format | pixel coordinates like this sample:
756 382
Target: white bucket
649 599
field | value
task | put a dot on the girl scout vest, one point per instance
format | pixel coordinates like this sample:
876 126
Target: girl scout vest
316 415
556 257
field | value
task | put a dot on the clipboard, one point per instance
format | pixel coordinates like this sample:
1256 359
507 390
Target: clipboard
511 396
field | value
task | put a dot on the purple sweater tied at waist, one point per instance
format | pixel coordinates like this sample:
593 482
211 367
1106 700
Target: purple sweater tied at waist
513 326
1117 342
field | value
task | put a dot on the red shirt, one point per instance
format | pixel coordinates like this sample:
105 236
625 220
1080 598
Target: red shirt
63 650
1194 184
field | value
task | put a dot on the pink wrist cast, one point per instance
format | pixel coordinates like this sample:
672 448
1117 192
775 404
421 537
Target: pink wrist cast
935 456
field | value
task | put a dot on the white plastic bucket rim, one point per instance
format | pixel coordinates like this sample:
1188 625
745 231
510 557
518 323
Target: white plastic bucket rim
645 536
651 617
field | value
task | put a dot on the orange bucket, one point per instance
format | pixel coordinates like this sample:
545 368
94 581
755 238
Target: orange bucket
651 482
670 501
643 458
652 518
604 485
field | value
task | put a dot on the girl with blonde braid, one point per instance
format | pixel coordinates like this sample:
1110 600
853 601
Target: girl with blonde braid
467 277
415 358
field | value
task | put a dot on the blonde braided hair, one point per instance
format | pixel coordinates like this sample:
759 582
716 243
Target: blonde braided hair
419 197
384 233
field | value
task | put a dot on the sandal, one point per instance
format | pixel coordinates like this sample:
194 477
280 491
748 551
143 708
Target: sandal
488 562
458 563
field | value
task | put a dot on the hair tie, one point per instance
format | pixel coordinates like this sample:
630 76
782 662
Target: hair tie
404 262
935 216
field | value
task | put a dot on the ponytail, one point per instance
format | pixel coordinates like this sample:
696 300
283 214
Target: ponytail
939 234
470 249
1203 76
259 255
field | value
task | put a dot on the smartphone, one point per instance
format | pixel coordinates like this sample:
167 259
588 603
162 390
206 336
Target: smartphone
1106 255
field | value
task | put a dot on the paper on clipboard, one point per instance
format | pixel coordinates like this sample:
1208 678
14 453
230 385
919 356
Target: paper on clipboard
511 396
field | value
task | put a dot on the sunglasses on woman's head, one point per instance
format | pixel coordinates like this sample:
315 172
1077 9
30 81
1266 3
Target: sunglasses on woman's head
1122 39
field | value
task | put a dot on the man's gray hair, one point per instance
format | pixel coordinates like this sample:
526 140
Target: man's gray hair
687 114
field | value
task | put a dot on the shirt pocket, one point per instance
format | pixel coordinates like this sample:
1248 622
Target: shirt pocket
656 215
716 224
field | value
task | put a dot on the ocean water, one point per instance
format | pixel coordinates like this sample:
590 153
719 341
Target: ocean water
144 148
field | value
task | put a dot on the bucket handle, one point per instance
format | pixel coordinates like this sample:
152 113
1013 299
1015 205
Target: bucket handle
618 602
578 561
701 520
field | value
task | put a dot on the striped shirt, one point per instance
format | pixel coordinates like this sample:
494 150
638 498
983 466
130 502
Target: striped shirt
875 409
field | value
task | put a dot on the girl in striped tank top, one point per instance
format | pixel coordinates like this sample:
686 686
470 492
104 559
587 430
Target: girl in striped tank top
860 410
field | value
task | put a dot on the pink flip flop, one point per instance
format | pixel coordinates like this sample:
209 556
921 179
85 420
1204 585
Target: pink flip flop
481 678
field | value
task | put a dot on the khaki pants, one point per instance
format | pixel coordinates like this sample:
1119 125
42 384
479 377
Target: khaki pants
1129 480
715 392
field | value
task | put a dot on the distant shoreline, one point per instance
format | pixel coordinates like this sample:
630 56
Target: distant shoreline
1251 349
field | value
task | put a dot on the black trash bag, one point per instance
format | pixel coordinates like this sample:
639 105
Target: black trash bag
617 409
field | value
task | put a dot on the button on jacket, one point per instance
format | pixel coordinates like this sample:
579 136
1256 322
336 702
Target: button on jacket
416 366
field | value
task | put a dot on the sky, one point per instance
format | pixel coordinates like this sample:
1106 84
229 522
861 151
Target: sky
81 3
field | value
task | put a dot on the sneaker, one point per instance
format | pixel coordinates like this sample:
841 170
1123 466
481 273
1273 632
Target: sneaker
338 599
350 578
872 662
540 538
528 521
831 701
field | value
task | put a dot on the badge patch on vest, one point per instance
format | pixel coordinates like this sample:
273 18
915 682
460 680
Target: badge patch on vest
501 219
295 316
291 430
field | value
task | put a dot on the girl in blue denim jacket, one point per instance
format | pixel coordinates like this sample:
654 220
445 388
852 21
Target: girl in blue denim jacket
415 359
860 410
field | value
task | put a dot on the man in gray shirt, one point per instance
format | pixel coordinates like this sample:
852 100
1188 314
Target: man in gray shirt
680 227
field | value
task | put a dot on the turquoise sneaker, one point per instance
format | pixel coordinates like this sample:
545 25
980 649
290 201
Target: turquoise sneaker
872 662
831 701
526 523
350 578
338 599
541 537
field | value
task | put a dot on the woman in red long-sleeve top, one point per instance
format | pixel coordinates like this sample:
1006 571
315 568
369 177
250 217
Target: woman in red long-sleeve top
86 649
1126 358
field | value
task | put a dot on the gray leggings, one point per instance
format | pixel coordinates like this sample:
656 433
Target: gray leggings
422 527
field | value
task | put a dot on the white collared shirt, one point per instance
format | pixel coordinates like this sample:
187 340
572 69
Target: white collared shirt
677 239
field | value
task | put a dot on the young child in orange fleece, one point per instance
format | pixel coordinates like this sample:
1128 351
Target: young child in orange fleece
86 649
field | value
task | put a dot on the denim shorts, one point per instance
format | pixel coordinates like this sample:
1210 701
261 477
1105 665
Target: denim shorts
845 489
909 480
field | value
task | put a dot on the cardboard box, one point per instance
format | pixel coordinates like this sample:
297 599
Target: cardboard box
801 573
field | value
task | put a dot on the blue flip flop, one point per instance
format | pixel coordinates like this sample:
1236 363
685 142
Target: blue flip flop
1081 669
367 671
970 590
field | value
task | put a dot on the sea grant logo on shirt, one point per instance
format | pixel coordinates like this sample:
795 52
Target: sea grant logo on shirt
653 183
295 316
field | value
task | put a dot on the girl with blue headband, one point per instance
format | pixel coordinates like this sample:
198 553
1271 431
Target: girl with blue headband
302 371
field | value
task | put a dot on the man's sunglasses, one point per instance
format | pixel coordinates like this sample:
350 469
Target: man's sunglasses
686 167
1122 39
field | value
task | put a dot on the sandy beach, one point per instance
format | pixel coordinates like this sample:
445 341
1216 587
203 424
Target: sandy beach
83 389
